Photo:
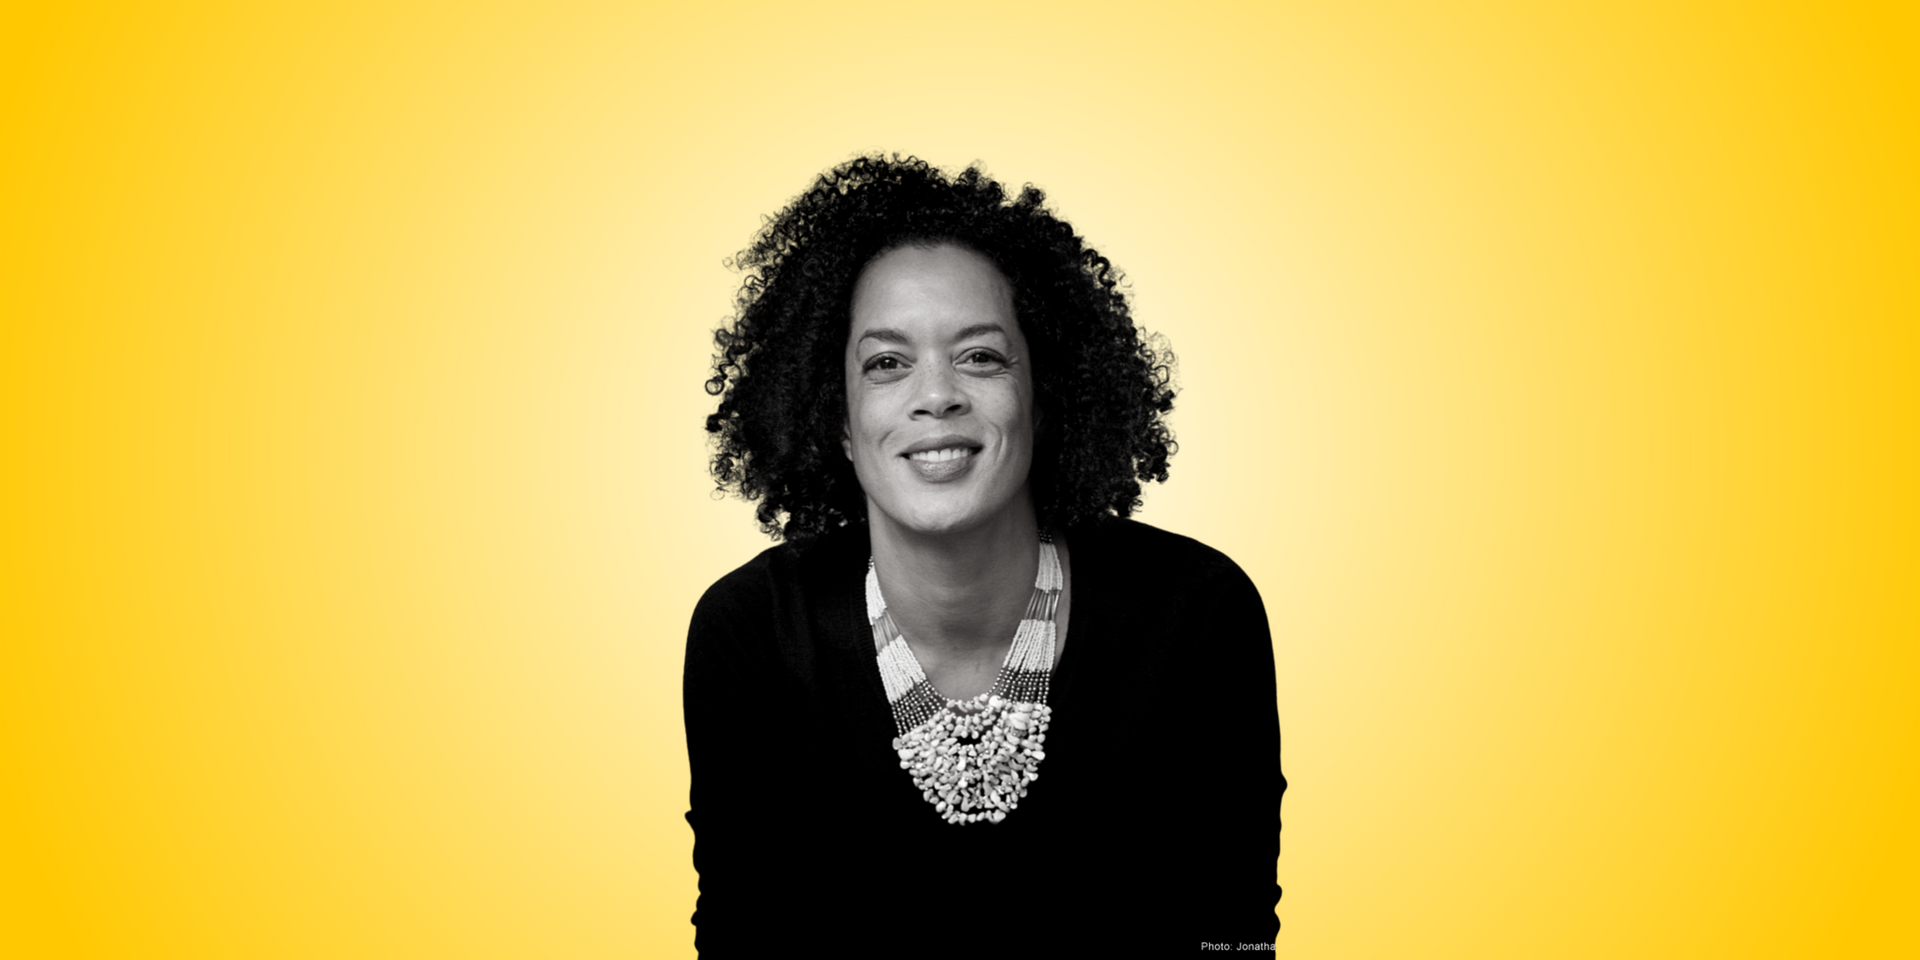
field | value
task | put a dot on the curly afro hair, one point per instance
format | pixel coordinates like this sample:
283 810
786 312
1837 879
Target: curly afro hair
1102 392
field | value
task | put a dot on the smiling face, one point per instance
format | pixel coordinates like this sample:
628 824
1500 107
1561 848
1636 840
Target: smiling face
939 393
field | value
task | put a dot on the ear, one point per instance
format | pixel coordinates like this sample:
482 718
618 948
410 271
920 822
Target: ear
846 439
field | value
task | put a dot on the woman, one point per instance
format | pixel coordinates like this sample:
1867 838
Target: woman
939 399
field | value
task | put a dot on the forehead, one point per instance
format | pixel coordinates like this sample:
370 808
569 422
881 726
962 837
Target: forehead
929 288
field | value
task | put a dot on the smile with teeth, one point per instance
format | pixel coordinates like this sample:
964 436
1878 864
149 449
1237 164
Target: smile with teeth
942 455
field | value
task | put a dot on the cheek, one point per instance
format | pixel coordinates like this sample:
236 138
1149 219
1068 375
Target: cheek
1016 417
849 429
860 434
1028 413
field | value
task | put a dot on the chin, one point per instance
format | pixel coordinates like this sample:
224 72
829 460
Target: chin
938 524
943 519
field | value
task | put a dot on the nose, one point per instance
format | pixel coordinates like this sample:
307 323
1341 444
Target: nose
941 394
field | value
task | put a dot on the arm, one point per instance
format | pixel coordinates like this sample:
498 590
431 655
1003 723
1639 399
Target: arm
1240 781
733 694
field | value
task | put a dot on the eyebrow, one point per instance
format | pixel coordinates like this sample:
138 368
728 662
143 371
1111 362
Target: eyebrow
890 335
884 335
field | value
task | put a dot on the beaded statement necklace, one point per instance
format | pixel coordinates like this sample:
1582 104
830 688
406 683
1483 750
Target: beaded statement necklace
973 759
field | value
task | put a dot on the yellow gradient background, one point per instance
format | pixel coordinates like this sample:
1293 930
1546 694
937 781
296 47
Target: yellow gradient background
1550 368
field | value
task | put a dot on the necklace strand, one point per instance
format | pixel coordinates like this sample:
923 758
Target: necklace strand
973 759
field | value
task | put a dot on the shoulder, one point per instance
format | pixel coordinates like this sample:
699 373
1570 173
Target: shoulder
766 625
1129 549
749 585
1155 575
1169 606
778 582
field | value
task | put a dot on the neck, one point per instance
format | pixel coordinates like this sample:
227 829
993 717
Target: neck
958 593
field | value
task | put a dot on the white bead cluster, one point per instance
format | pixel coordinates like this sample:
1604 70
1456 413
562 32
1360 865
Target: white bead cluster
899 671
973 761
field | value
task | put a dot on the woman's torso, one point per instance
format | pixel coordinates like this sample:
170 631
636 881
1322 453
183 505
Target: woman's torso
1156 808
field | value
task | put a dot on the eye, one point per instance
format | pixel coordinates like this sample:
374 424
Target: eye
884 368
982 360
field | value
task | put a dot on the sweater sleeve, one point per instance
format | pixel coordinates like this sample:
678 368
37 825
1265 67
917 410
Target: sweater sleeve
1239 829
733 691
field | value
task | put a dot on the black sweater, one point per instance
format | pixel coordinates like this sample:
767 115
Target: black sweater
1154 822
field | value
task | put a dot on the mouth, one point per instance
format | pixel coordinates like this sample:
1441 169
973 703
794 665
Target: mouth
943 460
942 455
